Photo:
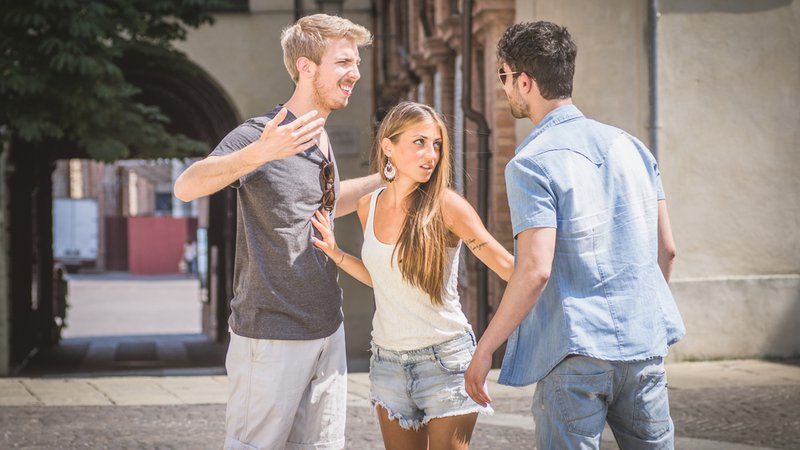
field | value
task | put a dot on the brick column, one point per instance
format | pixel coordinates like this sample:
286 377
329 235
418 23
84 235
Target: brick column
491 20
437 53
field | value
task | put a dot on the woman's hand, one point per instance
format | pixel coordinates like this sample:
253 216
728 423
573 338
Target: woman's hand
349 263
322 223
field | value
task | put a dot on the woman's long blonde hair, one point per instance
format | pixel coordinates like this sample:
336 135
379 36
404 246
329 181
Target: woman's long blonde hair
422 247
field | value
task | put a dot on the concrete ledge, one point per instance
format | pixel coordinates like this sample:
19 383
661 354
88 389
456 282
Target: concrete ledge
740 317
120 391
188 390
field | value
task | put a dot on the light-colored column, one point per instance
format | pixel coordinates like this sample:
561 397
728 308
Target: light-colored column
176 168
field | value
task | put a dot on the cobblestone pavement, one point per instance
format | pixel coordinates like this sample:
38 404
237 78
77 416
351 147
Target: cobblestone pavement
175 398
180 427
763 416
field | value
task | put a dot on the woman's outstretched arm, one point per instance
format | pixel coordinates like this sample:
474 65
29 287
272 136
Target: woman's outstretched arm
462 220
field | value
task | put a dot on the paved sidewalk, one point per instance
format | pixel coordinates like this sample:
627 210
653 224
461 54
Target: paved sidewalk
168 390
737 405
117 303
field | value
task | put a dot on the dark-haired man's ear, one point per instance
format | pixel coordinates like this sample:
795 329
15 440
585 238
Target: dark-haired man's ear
526 83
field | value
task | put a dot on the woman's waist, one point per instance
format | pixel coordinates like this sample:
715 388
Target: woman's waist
407 332
414 348
414 308
390 286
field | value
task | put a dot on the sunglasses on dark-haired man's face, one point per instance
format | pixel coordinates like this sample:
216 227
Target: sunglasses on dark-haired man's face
503 74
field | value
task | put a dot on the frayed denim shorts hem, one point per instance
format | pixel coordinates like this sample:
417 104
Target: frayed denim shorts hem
408 424
417 386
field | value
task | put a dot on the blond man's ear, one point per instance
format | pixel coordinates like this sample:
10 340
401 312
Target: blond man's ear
305 67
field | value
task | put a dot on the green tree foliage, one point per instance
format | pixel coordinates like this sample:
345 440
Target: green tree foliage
60 78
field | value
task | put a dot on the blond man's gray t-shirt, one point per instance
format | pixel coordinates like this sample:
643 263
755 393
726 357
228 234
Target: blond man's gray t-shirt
283 286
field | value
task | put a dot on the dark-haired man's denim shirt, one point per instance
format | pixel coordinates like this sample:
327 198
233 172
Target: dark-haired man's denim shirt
606 298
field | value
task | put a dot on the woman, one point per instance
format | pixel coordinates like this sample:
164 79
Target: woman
413 230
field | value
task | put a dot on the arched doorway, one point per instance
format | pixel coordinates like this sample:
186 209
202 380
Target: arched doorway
198 108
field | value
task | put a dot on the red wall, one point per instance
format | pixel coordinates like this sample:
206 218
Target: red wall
155 244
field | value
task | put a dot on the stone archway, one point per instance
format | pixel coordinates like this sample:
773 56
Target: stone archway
200 109
196 105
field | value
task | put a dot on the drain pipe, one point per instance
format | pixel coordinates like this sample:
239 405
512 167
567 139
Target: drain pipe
652 63
483 160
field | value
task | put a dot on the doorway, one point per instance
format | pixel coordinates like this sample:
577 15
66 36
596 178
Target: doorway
133 301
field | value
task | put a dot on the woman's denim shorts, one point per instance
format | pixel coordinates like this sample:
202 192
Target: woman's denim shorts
417 386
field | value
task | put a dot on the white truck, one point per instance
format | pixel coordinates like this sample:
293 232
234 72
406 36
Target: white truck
75 232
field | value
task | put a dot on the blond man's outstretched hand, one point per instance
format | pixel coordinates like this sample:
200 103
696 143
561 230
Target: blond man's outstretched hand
281 141
277 141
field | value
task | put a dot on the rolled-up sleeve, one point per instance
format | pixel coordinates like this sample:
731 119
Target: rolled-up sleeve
530 196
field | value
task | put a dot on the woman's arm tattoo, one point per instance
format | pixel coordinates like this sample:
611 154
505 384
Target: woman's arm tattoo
475 246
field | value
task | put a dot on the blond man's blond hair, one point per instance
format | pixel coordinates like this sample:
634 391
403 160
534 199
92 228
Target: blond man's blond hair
309 37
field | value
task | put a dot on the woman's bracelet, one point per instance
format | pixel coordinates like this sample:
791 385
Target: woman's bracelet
341 260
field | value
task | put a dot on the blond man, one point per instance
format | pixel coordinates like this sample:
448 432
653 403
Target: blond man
286 360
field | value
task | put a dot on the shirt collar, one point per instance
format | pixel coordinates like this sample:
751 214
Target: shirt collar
557 116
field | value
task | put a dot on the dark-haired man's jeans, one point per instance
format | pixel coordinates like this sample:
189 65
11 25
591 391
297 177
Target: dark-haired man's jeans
573 402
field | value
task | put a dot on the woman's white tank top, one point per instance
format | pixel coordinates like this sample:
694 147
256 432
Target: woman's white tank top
405 318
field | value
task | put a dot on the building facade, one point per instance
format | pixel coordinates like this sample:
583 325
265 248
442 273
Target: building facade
710 86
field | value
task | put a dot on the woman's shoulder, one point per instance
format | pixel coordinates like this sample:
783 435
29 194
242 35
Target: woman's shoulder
456 210
363 202
453 204
362 207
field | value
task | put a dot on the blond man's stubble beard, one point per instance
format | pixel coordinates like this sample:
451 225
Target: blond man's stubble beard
321 100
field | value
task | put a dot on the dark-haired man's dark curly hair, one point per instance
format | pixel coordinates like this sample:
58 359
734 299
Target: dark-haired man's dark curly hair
543 50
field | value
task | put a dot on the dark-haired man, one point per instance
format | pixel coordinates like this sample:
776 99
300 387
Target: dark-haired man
588 313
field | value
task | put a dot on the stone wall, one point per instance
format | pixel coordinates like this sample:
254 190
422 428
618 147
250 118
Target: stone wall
728 89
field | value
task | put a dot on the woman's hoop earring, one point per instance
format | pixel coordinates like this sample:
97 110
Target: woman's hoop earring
389 171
